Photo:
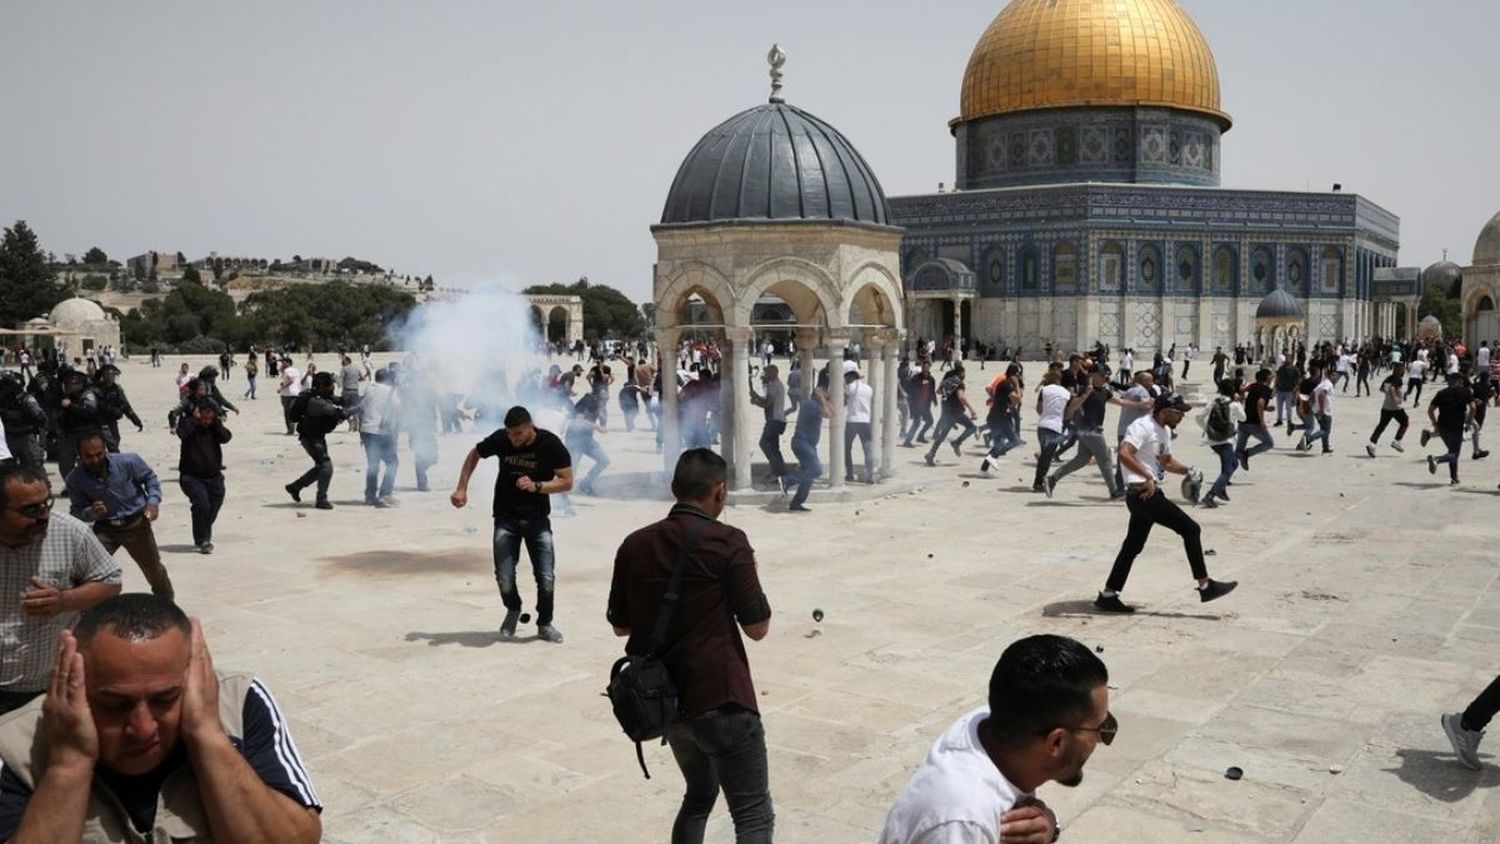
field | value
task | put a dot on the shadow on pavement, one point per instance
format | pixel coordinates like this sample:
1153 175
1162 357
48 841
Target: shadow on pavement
1439 775
1079 609
466 638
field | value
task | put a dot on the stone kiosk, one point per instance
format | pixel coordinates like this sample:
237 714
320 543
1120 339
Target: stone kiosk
774 202
1280 323
1481 289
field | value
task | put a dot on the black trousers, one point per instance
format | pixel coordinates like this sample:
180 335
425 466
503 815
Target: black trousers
722 750
770 445
322 471
1144 514
1484 707
1402 423
207 496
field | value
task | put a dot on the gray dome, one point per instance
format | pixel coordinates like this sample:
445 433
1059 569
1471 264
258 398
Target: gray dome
1279 304
775 162
1447 275
1487 247
1431 320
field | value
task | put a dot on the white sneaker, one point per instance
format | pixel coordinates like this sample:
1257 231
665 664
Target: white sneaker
548 633
1370 449
1398 446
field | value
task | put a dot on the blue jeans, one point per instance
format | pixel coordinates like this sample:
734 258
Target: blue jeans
379 448
537 533
588 446
722 749
1051 441
809 469
1325 424
1259 432
1002 434
946 423
1284 406
1228 462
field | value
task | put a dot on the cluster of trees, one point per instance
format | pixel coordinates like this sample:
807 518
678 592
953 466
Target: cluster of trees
28 286
193 318
1442 301
606 311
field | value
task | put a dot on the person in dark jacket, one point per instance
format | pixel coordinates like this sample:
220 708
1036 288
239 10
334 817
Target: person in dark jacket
77 414
211 375
201 467
317 413
113 405
25 423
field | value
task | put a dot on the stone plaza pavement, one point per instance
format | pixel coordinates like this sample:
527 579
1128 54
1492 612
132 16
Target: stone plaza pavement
1367 606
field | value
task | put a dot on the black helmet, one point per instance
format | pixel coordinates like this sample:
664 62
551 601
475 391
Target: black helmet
11 383
322 380
107 369
208 373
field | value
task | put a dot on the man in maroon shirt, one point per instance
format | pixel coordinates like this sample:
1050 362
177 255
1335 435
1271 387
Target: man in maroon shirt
717 739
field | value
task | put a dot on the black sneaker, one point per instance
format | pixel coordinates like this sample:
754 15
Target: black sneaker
1431 463
1112 603
1208 501
1048 485
1426 435
1244 460
957 451
1480 455
930 460
1216 589
295 493
324 504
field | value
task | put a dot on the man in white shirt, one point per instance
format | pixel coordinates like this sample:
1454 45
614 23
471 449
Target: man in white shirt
1145 456
291 388
1048 711
859 404
1051 404
1482 360
1322 408
379 411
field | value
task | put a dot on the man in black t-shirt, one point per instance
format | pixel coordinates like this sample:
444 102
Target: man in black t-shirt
533 465
1449 411
1258 399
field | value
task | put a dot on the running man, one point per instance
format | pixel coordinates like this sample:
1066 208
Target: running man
1392 408
1145 456
957 412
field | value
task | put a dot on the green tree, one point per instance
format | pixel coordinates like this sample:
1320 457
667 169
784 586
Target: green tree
95 257
1436 302
27 287
191 275
331 315
606 311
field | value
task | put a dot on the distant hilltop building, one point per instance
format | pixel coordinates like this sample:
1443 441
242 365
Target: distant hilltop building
1088 207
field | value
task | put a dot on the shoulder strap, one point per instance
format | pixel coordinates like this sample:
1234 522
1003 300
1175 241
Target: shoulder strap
669 598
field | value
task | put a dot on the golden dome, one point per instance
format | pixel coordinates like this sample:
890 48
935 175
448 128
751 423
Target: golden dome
1057 53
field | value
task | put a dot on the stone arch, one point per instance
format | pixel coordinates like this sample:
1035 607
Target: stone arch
694 278
557 323
873 297
806 287
539 321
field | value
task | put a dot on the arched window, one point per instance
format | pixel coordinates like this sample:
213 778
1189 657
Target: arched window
1111 267
1029 268
1296 272
1150 269
994 270
1065 268
1186 276
1263 270
1332 265
1226 269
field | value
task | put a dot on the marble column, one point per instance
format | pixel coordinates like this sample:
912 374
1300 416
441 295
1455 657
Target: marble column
807 340
666 343
738 424
876 374
889 354
958 325
835 343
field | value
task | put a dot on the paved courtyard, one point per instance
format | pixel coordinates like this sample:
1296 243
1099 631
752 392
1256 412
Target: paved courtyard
1367 606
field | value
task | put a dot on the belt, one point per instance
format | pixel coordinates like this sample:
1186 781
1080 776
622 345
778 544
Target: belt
119 522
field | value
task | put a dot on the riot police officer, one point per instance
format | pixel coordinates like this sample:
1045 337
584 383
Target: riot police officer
77 414
25 422
113 405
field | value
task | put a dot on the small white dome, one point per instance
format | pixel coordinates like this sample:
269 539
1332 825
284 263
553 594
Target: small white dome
76 311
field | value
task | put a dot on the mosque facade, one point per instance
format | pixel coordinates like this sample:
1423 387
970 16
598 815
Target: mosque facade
1087 206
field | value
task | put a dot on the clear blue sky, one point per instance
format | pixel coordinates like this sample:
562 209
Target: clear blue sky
534 142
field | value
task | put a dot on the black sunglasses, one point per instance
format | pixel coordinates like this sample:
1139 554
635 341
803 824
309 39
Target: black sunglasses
1106 731
37 510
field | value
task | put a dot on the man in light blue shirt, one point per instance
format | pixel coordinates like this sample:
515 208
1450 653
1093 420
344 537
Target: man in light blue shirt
119 495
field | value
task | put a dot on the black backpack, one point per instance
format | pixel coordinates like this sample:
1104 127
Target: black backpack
641 690
1219 425
298 408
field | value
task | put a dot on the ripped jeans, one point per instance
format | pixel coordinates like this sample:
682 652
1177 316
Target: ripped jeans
537 533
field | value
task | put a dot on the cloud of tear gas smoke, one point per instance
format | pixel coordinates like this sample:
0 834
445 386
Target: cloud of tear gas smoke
479 345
